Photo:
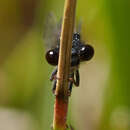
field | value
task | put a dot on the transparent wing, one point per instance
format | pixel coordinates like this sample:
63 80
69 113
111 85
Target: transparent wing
51 32
78 27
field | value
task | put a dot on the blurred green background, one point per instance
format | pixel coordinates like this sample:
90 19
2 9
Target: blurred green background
102 102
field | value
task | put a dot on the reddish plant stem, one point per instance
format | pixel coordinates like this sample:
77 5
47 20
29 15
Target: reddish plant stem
62 98
60 113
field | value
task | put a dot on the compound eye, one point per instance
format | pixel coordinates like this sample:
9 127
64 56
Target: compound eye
86 53
52 57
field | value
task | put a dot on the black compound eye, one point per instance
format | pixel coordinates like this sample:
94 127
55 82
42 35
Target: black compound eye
86 52
52 57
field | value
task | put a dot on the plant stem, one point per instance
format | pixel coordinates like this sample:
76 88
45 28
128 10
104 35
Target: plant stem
62 98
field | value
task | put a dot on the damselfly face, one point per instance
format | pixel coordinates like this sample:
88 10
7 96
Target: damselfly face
80 52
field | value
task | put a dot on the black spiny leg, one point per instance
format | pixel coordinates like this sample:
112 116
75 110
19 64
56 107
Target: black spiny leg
53 75
70 84
54 86
76 82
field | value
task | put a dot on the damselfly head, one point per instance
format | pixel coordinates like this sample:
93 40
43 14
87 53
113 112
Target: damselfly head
80 52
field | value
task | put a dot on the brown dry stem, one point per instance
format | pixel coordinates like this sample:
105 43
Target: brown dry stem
62 98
